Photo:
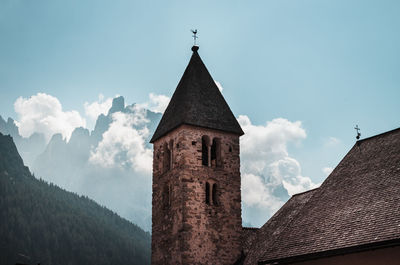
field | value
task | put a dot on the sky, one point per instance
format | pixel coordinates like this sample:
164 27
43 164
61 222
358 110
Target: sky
316 68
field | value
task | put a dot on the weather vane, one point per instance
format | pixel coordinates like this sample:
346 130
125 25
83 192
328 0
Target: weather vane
358 133
194 35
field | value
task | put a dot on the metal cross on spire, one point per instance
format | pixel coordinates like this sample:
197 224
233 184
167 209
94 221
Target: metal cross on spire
194 35
358 133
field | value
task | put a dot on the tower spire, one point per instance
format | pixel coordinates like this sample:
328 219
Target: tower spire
197 101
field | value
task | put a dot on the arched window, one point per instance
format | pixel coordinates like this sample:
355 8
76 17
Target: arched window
171 153
211 193
214 194
166 158
207 193
166 196
159 161
205 154
216 153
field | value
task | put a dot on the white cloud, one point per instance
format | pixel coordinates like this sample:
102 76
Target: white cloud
327 170
267 169
43 113
157 103
101 106
262 145
257 193
332 141
219 86
123 144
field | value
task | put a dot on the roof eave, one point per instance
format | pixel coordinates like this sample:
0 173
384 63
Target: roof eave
155 138
333 252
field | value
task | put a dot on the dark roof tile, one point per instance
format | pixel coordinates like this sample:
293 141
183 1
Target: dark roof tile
271 230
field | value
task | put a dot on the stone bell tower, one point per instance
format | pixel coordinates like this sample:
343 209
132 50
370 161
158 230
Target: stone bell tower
196 175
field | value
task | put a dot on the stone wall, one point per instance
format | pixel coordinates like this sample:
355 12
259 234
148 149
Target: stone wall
185 229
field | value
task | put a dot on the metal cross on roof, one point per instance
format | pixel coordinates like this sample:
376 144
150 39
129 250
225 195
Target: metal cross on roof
358 133
194 35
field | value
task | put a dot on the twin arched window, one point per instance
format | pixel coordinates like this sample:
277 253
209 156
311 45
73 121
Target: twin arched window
211 152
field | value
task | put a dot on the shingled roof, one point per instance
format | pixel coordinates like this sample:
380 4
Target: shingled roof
357 206
271 230
197 101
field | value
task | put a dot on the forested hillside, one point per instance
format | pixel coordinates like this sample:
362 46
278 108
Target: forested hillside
42 223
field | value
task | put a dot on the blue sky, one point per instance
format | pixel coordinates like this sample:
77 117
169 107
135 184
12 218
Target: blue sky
329 64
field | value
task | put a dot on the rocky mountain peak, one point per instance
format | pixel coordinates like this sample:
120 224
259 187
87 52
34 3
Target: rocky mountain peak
118 104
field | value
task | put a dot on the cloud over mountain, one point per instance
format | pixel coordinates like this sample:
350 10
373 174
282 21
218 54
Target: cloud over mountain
43 113
101 106
123 144
111 164
157 103
269 174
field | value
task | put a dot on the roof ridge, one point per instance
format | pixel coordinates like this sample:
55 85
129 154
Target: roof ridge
300 193
378 135
351 149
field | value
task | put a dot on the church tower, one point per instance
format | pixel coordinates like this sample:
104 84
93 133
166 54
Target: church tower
196 175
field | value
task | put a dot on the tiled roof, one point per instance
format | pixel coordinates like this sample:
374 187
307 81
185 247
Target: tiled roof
271 230
249 234
197 101
358 204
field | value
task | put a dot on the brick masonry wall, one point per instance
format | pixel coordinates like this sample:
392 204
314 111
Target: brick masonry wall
185 230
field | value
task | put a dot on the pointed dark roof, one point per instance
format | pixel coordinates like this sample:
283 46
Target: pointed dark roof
197 101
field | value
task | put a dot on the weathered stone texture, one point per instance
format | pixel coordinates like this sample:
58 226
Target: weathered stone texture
185 229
